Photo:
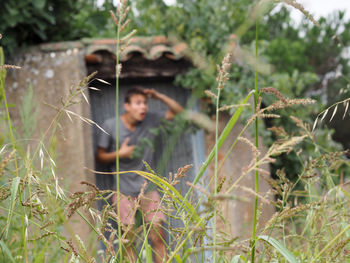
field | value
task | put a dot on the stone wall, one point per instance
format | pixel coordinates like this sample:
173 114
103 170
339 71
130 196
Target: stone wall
239 212
52 74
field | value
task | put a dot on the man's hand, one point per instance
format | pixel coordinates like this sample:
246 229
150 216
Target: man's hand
125 150
152 93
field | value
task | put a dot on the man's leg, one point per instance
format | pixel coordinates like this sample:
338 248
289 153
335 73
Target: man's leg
127 217
150 206
157 235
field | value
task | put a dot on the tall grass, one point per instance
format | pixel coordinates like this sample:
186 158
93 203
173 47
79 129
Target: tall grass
121 22
310 225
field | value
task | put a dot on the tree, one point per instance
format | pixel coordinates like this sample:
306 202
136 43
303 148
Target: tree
303 57
25 22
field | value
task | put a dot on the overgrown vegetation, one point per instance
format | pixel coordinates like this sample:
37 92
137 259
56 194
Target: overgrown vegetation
311 223
299 60
27 23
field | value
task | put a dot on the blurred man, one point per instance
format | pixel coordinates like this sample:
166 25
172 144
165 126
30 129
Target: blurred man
135 124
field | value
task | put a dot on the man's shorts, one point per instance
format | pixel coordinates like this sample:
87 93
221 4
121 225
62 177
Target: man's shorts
149 206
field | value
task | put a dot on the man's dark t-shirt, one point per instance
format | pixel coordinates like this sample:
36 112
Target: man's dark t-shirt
130 183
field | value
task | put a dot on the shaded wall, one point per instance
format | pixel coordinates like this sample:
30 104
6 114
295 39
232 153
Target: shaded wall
239 212
52 74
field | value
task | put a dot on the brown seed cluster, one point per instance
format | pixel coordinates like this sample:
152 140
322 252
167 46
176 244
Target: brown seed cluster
223 74
5 161
81 199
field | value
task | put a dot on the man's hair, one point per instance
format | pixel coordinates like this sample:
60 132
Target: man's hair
135 90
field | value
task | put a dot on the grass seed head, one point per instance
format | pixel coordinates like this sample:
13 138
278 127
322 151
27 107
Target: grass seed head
72 248
274 91
5 66
91 185
4 193
181 171
301 8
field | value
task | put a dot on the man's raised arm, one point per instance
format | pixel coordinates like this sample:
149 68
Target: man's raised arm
174 106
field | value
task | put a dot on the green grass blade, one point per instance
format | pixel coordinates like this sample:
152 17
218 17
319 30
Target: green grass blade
186 255
178 259
148 253
280 248
14 189
6 250
330 244
345 192
40 257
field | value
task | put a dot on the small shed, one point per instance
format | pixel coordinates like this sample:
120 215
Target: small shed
53 68
152 62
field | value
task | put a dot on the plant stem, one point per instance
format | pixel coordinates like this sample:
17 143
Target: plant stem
117 138
256 96
216 169
331 243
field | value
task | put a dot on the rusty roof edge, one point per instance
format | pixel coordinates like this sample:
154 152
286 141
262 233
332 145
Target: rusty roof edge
151 48
61 46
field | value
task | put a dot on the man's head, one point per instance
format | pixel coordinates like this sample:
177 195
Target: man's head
135 103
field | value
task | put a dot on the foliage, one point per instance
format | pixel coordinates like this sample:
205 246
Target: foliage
314 230
26 22
304 58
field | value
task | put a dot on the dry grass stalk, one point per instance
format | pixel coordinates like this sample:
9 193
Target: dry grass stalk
80 199
258 105
91 185
288 103
335 106
72 248
210 94
274 91
198 188
298 6
48 233
5 161
228 107
181 171
4 193
5 66
287 213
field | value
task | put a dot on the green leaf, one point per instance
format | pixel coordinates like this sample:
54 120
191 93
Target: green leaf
280 248
345 192
39 3
148 254
40 256
2 57
186 255
5 249
14 189
178 258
